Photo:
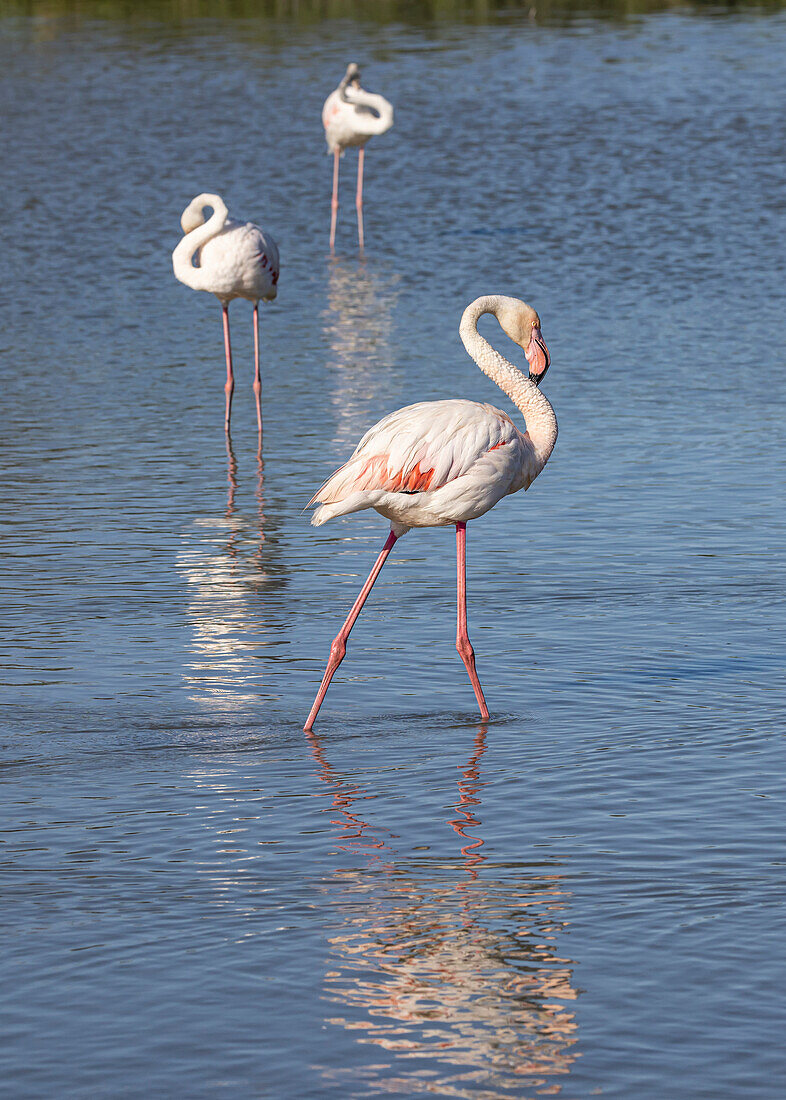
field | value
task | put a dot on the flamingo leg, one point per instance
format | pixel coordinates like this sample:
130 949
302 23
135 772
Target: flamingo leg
257 375
339 647
229 385
334 202
359 195
463 645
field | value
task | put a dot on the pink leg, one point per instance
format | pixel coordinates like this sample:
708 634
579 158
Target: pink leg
257 375
334 203
463 645
359 195
229 385
339 647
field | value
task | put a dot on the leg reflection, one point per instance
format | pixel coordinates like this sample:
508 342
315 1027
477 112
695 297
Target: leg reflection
259 493
469 786
231 477
231 546
353 831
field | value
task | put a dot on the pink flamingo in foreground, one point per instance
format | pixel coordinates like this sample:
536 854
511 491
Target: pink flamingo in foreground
350 117
440 463
233 260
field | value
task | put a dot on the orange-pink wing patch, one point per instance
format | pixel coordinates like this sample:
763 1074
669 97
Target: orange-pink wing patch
373 473
416 481
376 475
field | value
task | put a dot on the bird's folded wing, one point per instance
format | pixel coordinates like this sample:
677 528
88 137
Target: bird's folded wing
421 447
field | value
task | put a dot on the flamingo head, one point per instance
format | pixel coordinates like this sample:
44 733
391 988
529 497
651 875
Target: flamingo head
194 214
351 77
191 218
521 323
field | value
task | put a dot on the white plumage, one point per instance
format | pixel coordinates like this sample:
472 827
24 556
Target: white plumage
431 465
228 258
352 115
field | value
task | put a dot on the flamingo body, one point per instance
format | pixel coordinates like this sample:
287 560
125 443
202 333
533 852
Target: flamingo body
352 115
223 256
241 261
349 123
432 464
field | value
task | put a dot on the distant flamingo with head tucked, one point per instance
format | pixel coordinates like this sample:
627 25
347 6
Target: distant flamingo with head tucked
350 117
440 463
233 260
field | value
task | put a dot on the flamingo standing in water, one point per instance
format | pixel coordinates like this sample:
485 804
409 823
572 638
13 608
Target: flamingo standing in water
440 463
350 117
230 259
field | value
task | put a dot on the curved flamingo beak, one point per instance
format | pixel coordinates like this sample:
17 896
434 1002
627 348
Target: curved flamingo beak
537 356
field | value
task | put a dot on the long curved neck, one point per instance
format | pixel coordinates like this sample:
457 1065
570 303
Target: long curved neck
200 233
366 122
534 405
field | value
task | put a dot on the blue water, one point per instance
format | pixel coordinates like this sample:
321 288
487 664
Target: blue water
584 896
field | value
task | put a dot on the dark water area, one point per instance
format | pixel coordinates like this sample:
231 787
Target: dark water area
583 896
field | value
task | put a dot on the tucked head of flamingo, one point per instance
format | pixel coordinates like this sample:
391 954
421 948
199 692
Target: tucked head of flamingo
194 214
351 76
521 323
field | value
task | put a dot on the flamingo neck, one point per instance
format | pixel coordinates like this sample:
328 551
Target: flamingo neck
197 233
365 121
533 404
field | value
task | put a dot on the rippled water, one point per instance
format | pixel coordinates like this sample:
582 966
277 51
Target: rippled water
584 896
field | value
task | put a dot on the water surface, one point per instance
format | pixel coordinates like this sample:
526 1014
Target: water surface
583 896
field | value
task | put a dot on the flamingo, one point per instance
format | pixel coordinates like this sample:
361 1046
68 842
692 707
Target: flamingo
233 260
350 117
440 463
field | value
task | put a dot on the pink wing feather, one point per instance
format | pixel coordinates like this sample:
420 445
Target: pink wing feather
418 448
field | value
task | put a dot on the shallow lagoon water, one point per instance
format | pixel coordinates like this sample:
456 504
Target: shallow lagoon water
584 896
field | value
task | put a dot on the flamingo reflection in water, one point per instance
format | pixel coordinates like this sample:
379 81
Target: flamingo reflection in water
455 963
237 526
358 328
228 567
